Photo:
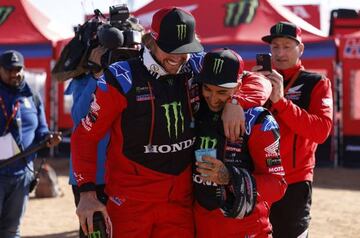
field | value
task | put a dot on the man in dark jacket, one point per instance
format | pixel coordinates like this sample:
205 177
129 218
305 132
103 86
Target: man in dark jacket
22 124
302 104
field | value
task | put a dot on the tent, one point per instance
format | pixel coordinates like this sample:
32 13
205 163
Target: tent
349 54
25 29
240 25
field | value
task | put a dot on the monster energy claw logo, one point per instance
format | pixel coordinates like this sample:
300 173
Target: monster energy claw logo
95 234
207 143
175 108
218 64
181 31
279 28
239 12
5 13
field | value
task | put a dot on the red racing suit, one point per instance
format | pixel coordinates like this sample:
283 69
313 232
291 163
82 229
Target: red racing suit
258 153
305 119
150 151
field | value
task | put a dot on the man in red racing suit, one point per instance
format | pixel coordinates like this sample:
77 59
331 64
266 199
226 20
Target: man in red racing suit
147 104
235 187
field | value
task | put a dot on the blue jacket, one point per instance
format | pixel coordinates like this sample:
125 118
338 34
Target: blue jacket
28 127
82 90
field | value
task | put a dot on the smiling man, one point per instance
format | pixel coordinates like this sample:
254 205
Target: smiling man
147 104
301 102
235 187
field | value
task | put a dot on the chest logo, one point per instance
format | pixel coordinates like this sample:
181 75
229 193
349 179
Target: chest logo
174 118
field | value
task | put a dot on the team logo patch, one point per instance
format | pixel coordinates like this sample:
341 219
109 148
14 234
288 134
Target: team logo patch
273 162
118 201
273 149
181 31
174 118
92 115
218 65
294 93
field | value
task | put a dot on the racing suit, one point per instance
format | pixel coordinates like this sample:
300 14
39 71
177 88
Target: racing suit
304 115
149 157
258 153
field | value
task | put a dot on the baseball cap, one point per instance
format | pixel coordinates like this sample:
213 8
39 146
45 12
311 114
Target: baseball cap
11 59
174 31
284 29
222 68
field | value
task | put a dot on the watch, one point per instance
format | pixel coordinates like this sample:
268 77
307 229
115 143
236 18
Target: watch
234 101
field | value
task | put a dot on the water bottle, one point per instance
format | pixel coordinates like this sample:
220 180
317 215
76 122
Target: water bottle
99 227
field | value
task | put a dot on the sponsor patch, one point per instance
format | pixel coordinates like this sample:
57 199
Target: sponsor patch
92 115
118 201
276 170
273 162
145 97
272 150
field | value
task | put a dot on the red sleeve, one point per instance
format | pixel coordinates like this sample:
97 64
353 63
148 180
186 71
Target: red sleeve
268 171
92 128
254 91
314 123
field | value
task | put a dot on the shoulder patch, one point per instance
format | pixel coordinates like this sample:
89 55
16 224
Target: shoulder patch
122 72
195 61
269 123
250 117
101 83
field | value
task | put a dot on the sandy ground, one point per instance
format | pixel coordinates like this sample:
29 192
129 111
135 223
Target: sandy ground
335 210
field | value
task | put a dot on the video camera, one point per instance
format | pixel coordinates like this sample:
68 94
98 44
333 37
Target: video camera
120 35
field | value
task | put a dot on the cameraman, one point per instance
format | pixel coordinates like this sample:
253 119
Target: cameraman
82 89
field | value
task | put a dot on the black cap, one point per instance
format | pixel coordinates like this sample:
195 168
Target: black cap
174 31
11 59
222 68
284 29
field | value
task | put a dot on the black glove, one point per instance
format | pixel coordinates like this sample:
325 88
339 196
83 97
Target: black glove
238 199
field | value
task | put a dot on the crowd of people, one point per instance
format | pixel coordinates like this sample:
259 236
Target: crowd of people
177 142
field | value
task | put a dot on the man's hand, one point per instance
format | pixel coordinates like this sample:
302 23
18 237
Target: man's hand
233 118
276 80
54 139
213 170
95 57
85 210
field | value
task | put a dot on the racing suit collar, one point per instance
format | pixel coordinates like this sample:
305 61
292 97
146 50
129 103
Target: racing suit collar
290 72
154 67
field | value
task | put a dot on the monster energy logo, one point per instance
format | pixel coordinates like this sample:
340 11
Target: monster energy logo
240 12
279 28
175 108
181 31
95 234
218 64
207 143
5 13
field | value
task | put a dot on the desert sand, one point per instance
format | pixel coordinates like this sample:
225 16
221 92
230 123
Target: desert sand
335 209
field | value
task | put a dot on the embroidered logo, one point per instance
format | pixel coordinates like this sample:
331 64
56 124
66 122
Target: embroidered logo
181 31
174 118
207 142
273 149
218 64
